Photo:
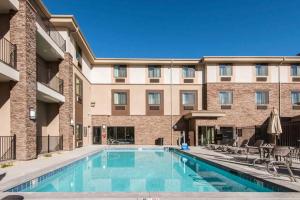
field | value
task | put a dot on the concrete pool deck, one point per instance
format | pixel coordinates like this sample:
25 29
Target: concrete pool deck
27 170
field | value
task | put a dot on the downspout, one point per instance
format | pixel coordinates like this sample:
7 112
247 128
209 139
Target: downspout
171 93
279 86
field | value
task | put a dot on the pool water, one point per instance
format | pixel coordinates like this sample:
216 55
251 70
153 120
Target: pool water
141 170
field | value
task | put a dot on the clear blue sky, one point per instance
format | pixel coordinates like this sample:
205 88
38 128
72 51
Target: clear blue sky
186 28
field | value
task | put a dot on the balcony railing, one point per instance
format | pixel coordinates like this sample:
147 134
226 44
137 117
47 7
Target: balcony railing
8 52
49 28
54 83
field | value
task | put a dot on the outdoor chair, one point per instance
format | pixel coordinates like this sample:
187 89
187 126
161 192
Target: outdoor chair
239 148
225 147
285 153
254 149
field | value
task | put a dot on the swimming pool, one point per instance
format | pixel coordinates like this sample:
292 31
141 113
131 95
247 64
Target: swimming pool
142 170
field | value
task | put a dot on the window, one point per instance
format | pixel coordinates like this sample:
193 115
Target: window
262 97
120 98
188 71
154 102
120 71
225 70
261 70
120 102
154 71
225 97
78 89
295 70
295 98
79 56
154 98
188 98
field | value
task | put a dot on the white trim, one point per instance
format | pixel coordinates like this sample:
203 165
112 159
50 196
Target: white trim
9 72
42 32
50 93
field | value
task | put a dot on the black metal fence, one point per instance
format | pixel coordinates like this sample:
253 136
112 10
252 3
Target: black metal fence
7 148
8 52
290 135
47 144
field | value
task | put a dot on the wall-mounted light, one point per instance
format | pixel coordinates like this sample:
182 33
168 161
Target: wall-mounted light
72 122
32 113
103 126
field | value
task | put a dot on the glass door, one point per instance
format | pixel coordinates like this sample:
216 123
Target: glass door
206 135
78 136
97 135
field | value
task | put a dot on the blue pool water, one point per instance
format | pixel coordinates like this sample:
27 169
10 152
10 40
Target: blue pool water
135 170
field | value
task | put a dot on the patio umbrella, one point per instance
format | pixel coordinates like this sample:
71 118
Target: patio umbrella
274 126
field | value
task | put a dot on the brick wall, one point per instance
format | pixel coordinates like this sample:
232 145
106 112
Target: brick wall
147 128
244 112
66 109
23 93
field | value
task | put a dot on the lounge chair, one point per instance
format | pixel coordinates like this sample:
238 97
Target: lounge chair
239 148
256 148
285 153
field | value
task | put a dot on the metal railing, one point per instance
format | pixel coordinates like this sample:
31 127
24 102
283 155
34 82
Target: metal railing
47 144
54 83
50 29
8 52
7 148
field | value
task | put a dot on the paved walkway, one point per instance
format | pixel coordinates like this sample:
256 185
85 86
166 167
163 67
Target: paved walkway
239 163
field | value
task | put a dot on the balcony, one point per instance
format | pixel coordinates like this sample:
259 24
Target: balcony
50 44
7 5
8 71
50 90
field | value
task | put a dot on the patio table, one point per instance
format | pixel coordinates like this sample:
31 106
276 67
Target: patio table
266 150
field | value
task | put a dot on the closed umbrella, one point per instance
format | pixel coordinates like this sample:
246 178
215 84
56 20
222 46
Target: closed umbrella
274 126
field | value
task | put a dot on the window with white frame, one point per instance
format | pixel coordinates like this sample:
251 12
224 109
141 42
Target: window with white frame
295 95
295 70
261 69
188 98
225 97
120 98
154 71
225 70
120 71
188 71
262 97
154 98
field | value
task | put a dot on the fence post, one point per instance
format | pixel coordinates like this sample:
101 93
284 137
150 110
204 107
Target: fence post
62 142
48 143
14 146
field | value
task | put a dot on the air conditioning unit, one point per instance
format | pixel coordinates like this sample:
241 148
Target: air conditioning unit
226 78
261 78
188 80
154 80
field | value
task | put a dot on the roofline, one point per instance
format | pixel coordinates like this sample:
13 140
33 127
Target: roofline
69 21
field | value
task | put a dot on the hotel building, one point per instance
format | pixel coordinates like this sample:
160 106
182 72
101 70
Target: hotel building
52 85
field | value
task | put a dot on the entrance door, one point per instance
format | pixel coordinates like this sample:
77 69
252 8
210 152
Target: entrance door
206 135
97 135
78 136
